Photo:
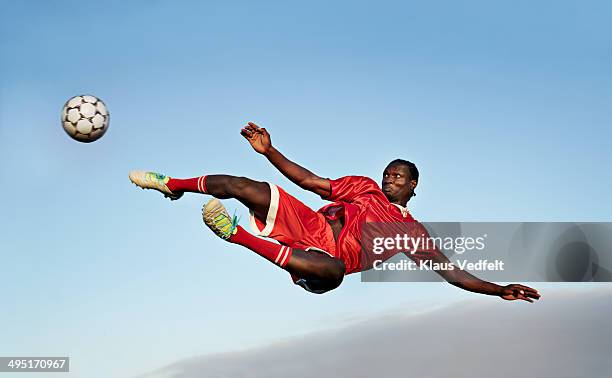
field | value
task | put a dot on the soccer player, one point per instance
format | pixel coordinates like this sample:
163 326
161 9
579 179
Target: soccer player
318 248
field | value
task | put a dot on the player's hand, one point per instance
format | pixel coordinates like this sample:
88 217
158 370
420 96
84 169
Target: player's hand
257 136
515 291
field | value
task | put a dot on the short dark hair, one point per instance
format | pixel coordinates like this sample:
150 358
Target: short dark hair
414 172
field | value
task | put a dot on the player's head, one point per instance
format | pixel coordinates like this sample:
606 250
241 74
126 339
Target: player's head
400 178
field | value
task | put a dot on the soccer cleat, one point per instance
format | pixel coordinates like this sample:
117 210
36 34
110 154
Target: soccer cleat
217 218
152 180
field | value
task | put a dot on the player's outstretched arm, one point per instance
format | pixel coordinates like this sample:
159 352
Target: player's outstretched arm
467 281
259 138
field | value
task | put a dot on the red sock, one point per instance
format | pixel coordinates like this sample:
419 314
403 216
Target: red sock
193 185
275 253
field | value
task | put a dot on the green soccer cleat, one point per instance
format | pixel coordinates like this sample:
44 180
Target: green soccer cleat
152 180
216 217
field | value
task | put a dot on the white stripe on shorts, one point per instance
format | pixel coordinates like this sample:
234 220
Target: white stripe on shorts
270 218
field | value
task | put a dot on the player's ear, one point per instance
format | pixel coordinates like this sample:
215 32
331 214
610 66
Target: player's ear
413 184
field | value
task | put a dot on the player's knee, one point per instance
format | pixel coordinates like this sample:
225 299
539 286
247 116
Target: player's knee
336 281
321 286
335 272
326 275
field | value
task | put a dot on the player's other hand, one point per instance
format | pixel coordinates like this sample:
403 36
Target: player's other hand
257 136
515 291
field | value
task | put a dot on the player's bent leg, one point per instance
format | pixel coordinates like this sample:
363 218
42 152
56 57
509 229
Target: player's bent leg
320 271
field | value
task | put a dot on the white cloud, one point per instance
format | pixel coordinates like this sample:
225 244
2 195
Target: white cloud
564 335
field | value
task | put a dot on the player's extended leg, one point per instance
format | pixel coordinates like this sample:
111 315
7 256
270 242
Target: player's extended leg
253 194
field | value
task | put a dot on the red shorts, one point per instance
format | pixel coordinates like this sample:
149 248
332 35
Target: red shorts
294 224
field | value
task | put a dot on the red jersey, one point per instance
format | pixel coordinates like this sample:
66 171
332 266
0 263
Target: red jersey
359 200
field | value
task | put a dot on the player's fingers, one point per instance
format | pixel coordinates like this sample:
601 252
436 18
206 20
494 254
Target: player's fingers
531 292
253 124
534 296
535 293
526 295
256 130
246 133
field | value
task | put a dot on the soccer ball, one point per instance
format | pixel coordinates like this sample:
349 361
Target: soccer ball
85 118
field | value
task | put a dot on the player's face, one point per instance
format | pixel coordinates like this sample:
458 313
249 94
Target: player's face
397 183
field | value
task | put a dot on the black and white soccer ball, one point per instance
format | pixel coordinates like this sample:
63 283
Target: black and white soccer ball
85 118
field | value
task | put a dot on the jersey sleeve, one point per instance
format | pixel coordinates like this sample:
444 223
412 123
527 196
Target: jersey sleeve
352 188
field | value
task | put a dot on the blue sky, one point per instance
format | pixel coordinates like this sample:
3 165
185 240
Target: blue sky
504 107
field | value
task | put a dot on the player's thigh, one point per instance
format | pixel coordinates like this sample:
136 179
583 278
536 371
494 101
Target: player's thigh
290 222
